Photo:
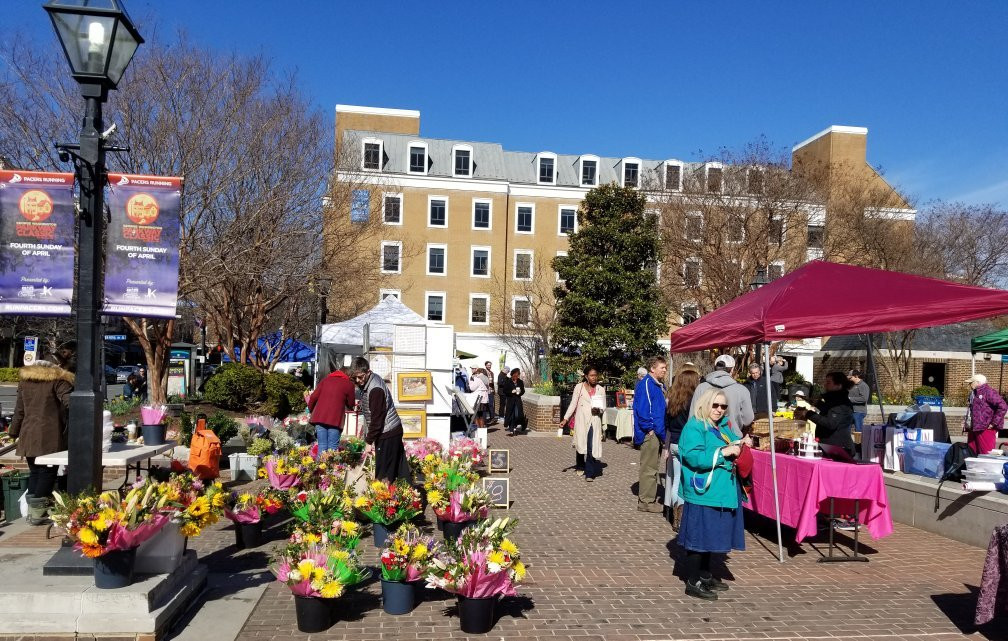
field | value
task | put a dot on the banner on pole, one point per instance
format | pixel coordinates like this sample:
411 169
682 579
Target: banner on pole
36 243
142 257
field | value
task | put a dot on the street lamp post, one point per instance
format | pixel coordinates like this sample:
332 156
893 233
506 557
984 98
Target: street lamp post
759 281
99 42
323 286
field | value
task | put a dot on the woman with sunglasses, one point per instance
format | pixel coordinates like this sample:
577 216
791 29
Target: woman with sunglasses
711 518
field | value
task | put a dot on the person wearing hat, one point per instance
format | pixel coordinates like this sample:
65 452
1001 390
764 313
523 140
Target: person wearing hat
740 409
984 416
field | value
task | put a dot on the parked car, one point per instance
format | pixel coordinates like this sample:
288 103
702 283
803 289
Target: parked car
123 372
111 375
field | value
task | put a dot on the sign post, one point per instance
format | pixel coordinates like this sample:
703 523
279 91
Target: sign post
30 350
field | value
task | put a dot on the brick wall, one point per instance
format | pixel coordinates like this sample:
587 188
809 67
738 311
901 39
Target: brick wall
543 412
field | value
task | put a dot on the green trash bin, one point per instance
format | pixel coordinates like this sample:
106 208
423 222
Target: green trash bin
14 485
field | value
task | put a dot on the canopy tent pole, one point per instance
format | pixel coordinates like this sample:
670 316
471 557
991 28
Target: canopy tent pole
873 379
771 406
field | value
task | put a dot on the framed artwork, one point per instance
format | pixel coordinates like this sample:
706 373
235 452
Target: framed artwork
499 461
414 386
499 490
414 422
620 399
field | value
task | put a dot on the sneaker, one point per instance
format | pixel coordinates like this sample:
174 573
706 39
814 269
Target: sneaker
579 472
844 525
654 507
700 591
590 479
713 583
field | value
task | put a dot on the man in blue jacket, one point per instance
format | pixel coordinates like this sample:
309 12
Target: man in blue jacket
649 431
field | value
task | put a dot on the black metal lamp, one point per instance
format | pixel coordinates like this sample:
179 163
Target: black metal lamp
760 280
98 38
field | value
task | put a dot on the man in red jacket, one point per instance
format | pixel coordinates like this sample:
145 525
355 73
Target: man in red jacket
328 404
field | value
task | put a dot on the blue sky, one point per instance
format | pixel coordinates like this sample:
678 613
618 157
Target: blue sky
656 79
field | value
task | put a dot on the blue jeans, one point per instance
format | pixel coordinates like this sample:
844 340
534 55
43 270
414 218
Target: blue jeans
859 420
328 437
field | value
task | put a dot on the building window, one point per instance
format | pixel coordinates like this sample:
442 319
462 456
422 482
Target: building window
389 293
524 218
589 172
567 220
816 235
673 176
559 280
436 258
521 311
479 309
435 306
631 173
360 206
547 169
736 231
776 231
714 178
438 212
694 226
481 214
754 181
523 264
689 313
463 160
372 155
691 273
775 270
391 257
392 209
418 158
480 266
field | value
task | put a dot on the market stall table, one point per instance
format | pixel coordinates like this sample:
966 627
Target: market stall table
124 454
810 486
621 419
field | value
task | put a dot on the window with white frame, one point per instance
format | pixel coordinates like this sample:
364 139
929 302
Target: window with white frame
480 264
816 236
372 154
547 168
631 172
479 309
435 306
589 171
754 180
521 311
462 160
523 264
392 209
736 231
691 272
694 225
689 313
673 175
775 270
389 293
482 213
437 208
391 257
437 258
566 220
524 218
714 177
776 230
559 280
418 158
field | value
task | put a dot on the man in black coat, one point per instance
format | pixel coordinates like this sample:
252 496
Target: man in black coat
757 385
836 414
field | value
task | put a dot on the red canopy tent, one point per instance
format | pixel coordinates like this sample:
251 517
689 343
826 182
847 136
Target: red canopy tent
829 299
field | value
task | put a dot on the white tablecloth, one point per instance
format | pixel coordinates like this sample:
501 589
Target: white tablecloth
120 454
621 419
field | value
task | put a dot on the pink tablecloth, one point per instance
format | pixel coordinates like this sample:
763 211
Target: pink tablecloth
806 486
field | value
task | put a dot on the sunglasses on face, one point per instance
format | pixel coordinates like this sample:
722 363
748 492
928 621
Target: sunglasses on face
719 406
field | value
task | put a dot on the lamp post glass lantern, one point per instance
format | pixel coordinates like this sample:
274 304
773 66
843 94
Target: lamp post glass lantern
99 41
759 281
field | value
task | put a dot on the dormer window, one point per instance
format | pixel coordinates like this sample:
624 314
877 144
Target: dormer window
372 154
547 168
673 175
462 159
714 177
589 171
631 172
418 158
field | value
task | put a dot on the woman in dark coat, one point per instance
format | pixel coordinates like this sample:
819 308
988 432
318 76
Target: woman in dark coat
40 417
513 389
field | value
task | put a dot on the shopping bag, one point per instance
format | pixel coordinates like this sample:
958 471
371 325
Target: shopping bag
873 443
23 503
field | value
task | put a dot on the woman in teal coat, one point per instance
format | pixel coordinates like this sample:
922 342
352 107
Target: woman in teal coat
712 515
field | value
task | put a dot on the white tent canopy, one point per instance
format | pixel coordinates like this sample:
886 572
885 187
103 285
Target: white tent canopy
348 336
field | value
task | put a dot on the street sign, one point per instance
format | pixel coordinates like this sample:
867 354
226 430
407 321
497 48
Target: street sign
31 343
115 337
1004 358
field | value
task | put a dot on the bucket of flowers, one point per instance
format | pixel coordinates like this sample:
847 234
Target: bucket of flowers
459 508
386 505
246 510
342 533
404 561
108 528
350 451
467 448
317 575
298 426
320 506
482 566
284 469
417 452
442 477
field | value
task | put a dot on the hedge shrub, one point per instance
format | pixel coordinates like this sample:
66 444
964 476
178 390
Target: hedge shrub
235 387
9 374
284 395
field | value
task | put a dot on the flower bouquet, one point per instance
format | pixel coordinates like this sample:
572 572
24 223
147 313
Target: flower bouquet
109 528
385 504
284 470
466 448
350 451
343 534
320 506
316 574
193 504
459 508
484 565
404 561
418 450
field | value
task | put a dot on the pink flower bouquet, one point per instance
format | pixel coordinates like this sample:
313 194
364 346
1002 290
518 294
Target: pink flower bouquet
466 448
485 563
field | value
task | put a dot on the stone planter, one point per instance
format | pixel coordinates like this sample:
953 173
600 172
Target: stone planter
543 412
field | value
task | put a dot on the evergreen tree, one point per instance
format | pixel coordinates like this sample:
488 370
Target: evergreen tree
609 309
